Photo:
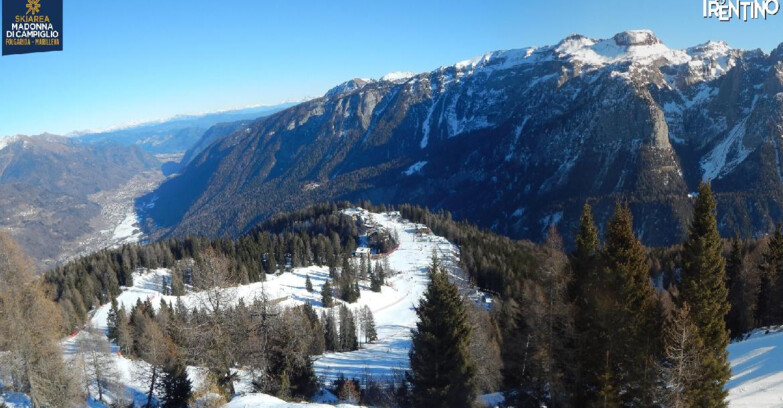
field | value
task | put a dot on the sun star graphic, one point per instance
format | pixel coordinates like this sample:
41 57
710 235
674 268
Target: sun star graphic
33 6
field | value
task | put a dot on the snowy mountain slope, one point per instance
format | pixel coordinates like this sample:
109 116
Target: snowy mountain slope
392 307
511 138
757 371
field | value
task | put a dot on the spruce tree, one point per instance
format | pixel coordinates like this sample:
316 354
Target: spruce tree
177 284
326 294
588 342
703 288
331 338
737 320
634 313
768 311
348 283
368 322
111 321
175 387
348 339
308 284
776 297
584 259
441 370
375 282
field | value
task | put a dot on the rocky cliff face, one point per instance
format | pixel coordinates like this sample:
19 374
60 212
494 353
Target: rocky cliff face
514 140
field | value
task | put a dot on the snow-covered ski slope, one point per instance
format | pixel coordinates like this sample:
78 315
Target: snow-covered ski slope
393 308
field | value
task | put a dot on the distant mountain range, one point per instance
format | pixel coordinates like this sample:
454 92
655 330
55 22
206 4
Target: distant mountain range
65 196
174 135
515 141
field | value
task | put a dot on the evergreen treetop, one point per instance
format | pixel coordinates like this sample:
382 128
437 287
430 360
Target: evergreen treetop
442 374
703 288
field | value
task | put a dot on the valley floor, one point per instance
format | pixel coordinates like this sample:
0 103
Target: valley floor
117 222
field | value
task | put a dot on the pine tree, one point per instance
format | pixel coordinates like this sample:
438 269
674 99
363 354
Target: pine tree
175 387
739 319
584 259
331 337
588 341
177 283
363 266
348 338
375 278
368 323
703 288
308 284
776 297
326 294
635 313
771 268
441 370
111 321
164 286
380 272
348 282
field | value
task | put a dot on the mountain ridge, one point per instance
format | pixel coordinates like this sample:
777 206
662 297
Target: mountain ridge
534 132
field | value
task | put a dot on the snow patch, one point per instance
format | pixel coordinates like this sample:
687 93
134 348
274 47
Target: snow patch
757 370
128 230
426 126
551 219
268 401
496 399
717 162
395 76
6 141
415 168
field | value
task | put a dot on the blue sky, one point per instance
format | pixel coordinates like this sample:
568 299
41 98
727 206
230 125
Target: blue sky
136 60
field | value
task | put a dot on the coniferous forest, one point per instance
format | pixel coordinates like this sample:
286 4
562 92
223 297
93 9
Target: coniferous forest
605 322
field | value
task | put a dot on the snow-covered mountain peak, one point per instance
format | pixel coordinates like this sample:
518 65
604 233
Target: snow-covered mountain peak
349 85
636 37
398 76
711 60
8 140
499 60
635 46
710 50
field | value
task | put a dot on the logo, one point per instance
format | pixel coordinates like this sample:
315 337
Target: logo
32 26
33 6
727 10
